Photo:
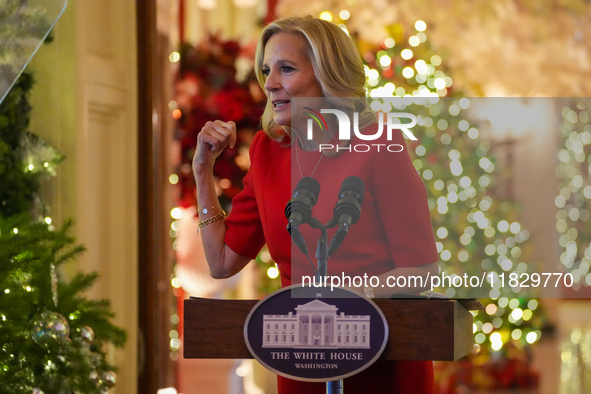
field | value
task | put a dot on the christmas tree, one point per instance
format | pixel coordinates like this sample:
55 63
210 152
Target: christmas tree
574 203
53 339
476 226
574 199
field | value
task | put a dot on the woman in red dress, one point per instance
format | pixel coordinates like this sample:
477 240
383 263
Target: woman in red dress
309 57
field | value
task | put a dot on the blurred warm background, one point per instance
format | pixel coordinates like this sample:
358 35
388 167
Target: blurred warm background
124 88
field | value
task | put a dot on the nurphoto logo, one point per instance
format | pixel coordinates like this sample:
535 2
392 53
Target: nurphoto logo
392 123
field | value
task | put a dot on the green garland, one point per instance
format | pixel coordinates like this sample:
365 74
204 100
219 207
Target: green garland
52 339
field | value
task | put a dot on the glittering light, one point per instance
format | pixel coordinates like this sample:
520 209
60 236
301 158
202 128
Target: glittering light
173 179
496 341
503 226
414 41
175 344
176 213
389 42
454 110
465 239
517 314
242 370
531 337
345 15
491 309
527 314
48 220
420 25
406 54
514 303
408 72
454 154
532 304
516 334
325 15
176 283
389 88
465 182
421 66
486 164
372 74
15 230
385 61
464 103
272 272
439 83
456 168
174 57
452 197
442 232
494 293
484 180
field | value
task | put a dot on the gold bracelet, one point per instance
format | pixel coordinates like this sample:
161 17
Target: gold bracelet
212 219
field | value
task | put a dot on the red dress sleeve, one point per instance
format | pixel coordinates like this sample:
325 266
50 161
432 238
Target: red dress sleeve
403 207
244 234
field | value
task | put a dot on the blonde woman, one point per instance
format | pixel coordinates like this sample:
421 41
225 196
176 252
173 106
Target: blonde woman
309 57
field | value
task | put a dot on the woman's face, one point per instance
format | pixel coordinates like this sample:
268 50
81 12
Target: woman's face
288 74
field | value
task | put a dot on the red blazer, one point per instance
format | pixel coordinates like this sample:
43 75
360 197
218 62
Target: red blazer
394 230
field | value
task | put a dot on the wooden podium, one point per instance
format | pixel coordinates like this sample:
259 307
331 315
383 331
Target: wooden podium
419 329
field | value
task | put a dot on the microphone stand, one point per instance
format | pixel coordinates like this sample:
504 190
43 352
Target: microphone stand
324 250
334 386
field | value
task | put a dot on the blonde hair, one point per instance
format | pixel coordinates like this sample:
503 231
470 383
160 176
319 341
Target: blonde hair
332 53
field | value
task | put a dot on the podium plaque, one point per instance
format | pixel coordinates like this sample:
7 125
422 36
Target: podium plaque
419 329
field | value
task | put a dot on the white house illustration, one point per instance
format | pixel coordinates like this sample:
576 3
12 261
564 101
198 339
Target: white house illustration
316 325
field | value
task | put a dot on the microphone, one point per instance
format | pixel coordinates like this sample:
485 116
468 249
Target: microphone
299 209
347 210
